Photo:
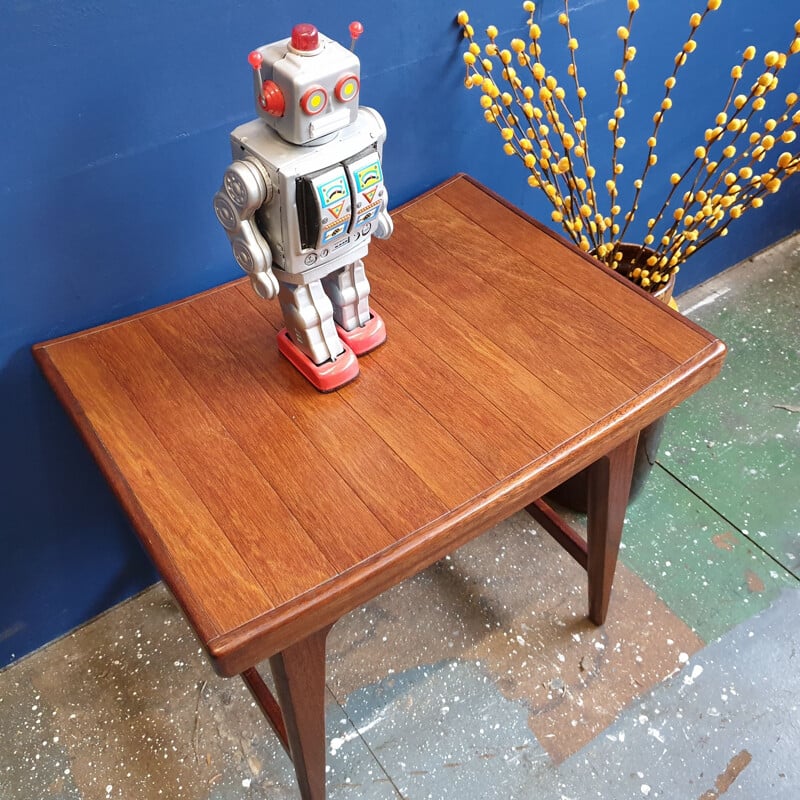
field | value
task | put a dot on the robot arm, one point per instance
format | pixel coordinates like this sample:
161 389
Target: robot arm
384 225
245 188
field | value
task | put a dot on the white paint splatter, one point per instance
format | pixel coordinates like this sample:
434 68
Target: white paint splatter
339 741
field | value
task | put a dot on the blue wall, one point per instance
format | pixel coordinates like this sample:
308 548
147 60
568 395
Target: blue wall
113 141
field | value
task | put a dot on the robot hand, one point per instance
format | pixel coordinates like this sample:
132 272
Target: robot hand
383 226
265 284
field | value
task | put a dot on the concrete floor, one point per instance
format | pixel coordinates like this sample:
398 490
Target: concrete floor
481 677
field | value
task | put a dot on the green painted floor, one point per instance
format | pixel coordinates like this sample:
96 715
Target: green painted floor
481 677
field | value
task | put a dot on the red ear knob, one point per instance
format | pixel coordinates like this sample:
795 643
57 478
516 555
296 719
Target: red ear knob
255 59
356 29
271 99
305 37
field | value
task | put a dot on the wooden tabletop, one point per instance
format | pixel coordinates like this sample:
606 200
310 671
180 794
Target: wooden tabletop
512 361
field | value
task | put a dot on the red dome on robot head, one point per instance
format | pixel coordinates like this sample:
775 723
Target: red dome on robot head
305 37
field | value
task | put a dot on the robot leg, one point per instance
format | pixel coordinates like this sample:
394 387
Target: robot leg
310 339
348 288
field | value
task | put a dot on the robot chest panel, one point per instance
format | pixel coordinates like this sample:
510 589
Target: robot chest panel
335 204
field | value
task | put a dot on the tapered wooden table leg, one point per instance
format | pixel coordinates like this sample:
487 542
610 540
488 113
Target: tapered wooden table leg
299 674
609 487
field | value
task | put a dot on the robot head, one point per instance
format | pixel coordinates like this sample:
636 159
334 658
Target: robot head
306 87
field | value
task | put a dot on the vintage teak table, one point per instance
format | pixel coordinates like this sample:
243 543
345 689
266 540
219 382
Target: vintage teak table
271 510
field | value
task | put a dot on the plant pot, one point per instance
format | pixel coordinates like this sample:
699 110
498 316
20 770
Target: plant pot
574 492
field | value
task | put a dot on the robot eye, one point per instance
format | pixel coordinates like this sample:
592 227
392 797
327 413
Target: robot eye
314 100
346 88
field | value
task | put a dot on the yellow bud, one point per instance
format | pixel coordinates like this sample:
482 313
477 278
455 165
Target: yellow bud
736 72
517 45
462 18
557 216
505 56
788 136
530 160
713 5
784 160
652 159
695 20
507 134
711 167
674 179
689 46
491 32
622 32
771 58
633 5
745 173
756 202
666 104
579 151
729 151
534 31
590 172
488 116
759 103
670 82
619 75
486 101
749 53
506 99
791 99
469 59
538 71
572 44
581 92
630 53
487 65
529 6
585 210
700 152
680 59
612 124
678 214
508 149
615 209
619 142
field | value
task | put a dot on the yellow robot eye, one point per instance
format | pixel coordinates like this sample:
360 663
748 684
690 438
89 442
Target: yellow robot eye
314 100
346 88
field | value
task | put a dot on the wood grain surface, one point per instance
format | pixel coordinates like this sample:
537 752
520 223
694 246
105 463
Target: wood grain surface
512 361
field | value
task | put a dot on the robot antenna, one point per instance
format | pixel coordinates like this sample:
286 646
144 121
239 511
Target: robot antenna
356 29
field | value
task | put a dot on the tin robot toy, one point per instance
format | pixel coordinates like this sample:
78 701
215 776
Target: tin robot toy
303 197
